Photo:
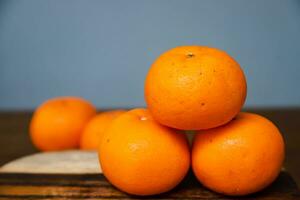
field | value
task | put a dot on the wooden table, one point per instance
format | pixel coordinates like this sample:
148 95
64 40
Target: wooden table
15 142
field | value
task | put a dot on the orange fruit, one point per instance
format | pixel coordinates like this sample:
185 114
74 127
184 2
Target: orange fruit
141 157
195 87
239 158
95 128
57 124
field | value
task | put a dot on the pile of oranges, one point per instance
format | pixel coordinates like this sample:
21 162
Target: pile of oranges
146 152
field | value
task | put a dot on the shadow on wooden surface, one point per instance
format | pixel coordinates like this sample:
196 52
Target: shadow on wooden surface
95 186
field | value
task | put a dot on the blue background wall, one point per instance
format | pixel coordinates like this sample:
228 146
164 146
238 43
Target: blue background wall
101 50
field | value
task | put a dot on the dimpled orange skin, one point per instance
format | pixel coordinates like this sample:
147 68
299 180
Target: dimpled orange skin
58 123
239 158
194 88
95 128
141 157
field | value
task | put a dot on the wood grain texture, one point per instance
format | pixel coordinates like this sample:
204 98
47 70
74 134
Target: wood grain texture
95 186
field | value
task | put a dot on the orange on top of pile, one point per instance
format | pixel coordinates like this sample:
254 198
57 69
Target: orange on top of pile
195 87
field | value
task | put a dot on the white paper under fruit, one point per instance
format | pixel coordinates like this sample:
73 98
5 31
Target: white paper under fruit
60 162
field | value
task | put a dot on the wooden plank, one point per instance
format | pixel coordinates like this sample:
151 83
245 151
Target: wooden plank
95 186
14 131
15 142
